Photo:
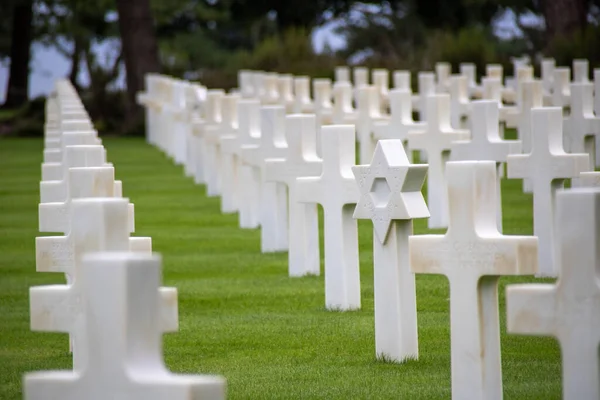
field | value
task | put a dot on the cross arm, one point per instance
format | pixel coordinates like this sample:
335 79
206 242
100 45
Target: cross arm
53 217
54 254
570 165
308 190
140 245
51 308
530 309
169 312
518 165
52 172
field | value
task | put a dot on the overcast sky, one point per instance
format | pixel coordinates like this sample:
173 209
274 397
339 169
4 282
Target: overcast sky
47 64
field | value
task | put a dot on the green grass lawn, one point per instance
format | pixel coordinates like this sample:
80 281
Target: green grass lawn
240 315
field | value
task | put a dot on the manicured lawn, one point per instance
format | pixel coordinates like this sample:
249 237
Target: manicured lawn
240 314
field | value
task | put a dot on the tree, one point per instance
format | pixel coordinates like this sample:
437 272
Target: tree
20 54
140 47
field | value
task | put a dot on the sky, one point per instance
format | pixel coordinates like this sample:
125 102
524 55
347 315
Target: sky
48 64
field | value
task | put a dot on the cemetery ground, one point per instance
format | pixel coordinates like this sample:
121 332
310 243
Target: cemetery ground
240 314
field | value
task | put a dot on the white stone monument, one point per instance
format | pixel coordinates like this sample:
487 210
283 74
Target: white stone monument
546 166
336 191
486 143
401 121
582 128
390 189
369 113
568 310
473 255
272 195
248 188
120 308
301 161
436 141
96 224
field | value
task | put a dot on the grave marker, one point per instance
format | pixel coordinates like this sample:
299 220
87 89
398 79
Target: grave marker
96 224
390 189
546 166
436 141
337 193
568 310
486 143
124 339
301 161
272 195
473 255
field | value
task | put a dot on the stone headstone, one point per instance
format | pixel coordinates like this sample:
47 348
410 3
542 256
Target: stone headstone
443 70
436 141
285 85
342 74
402 80
401 121
561 90
473 255
229 162
460 103
124 338
486 143
546 166
343 112
390 196
248 134
302 100
582 128
336 191
581 71
531 97
369 112
323 104
212 117
568 310
381 81
589 179
301 161
96 224
272 195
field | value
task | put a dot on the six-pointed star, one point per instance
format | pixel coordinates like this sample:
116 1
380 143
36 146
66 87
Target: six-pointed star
390 188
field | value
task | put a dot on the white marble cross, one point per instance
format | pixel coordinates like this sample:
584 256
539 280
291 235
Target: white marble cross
589 179
469 70
212 119
582 128
547 75
302 101
212 143
54 171
369 112
285 85
336 191
436 141
486 143
390 196
443 71
301 161
342 74
343 112
271 95
74 156
426 81
401 121
96 224
460 102
122 310
546 166
569 309
581 70
248 187
272 195
561 89
531 97
473 255
381 81
401 80
323 105
228 162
